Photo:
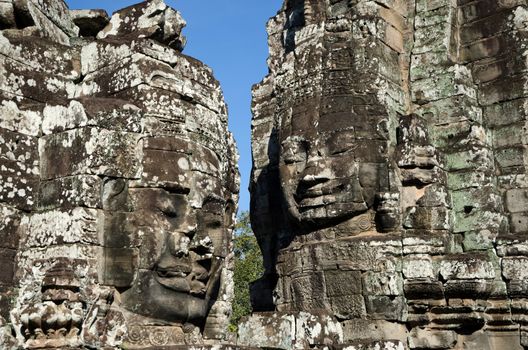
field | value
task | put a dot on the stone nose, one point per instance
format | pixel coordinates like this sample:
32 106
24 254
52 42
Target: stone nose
315 172
202 245
178 244
314 179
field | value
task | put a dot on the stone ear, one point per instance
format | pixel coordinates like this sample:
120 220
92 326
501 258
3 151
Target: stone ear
115 194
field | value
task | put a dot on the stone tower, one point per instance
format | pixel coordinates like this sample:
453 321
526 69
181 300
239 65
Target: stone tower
119 182
389 184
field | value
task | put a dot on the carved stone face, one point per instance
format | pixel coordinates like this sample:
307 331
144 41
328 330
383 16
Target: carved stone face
131 182
326 173
181 223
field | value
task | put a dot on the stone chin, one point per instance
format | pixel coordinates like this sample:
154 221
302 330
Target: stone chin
331 213
169 299
316 212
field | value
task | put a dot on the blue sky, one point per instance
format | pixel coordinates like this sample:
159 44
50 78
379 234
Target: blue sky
230 37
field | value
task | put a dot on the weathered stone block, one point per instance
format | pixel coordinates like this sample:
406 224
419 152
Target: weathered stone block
373 345
107 113
386 307
418 266
506 113
171 168
484 27
515 268
490 69
18 184
70 192
517 288
484 198
351 255
428 63
503 89
508 136
512 245
153 18
57 12
9 224
381 283
425 242
449 136
489 340
25 122
453 109
479 240
471 11
429 5
427 218
349 306
157 77
517 200
431 38
340 283
43 56
476 220
18 79
416 290
120 266
437 16
17 147
432 339
58 227
308 286
7 260
289 331
467 266
447 85
468 160
289 264
360 330
7 15
468 179
519 222
90 151
6 303
485 48
511 159
476 289
121 230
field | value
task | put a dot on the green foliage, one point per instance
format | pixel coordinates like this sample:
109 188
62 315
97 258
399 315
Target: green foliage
248 267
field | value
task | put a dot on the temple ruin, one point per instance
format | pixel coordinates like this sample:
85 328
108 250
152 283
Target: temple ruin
389 189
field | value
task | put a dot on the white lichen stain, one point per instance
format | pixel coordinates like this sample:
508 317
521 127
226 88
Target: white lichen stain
112 27
58 227
93 142
520 18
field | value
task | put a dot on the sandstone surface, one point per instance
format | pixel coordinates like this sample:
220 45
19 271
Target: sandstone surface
118 182
389 170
